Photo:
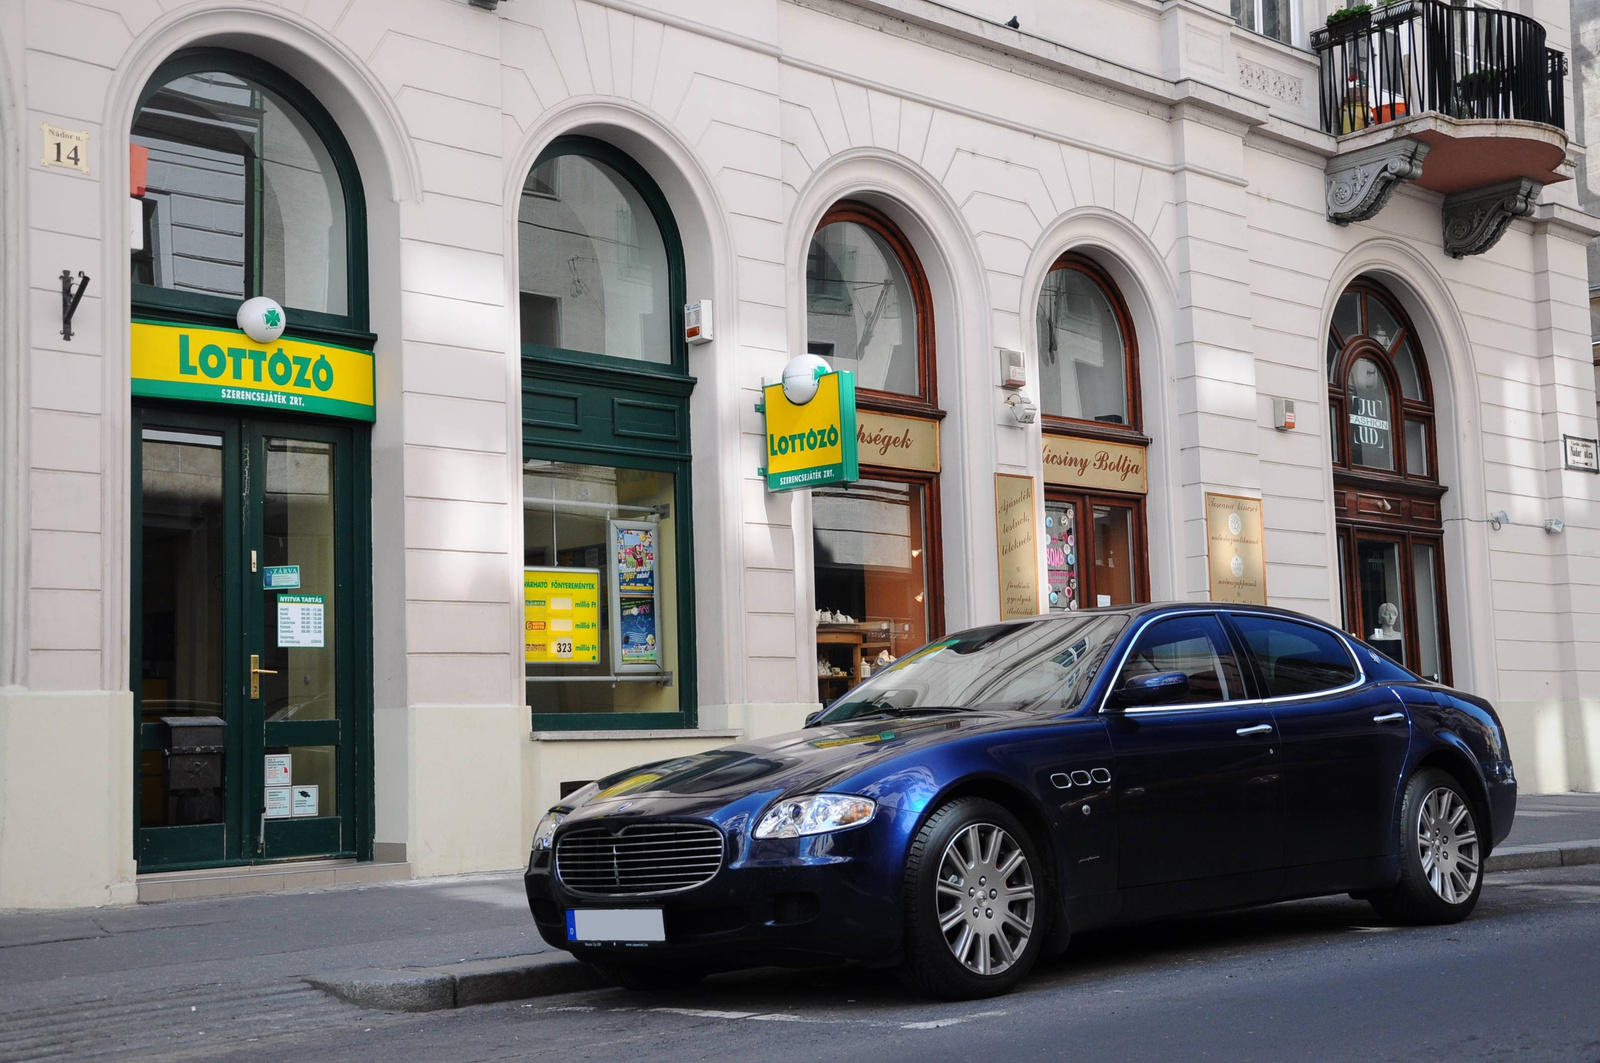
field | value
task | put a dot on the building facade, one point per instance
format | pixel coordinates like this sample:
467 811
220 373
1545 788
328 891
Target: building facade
1141 300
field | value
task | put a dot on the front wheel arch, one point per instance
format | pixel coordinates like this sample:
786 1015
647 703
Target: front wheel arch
1015 801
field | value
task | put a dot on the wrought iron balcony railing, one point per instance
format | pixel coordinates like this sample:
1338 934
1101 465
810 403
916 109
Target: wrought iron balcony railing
1412 57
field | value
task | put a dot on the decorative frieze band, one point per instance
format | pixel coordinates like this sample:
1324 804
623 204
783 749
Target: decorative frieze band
1270 82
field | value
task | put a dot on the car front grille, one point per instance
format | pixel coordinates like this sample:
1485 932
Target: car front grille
640 859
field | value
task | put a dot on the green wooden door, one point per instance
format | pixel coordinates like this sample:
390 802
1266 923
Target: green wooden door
251 609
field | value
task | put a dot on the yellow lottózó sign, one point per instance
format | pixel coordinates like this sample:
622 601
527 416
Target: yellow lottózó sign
561 615
225 365
815 443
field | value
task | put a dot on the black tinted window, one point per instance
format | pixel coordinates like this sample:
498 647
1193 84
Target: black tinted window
1193 645
1295 658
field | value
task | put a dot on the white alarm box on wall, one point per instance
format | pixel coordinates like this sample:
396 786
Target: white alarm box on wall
697 322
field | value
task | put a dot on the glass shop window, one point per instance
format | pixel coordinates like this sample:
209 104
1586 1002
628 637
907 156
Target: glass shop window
600 588
242 197
873 574
862 303
594 266
1083 363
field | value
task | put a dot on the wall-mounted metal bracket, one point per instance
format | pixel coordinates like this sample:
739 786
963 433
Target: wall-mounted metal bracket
70 299
1474 221
1359 183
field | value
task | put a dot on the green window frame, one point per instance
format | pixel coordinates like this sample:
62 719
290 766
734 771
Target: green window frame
595 409
349 329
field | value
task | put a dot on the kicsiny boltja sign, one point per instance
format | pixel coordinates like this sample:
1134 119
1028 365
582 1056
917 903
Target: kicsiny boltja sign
813 443
225 365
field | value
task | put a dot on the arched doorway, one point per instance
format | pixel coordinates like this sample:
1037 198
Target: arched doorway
1386 482
876 542
251 541
1096 541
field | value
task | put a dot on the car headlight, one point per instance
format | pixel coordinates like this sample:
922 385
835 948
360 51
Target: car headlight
816 814
545 832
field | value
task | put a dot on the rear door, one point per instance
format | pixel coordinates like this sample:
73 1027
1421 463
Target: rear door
1344 746
1199 790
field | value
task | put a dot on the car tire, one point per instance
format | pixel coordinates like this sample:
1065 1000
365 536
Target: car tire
957 949
645 979
1441 854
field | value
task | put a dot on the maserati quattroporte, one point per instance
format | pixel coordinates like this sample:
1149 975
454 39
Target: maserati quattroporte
965 810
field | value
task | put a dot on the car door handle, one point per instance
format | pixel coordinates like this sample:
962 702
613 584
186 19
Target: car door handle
1389 717
1258 729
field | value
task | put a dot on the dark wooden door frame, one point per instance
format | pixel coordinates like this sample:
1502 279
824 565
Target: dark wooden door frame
244 431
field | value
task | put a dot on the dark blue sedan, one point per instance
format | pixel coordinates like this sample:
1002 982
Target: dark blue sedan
968 808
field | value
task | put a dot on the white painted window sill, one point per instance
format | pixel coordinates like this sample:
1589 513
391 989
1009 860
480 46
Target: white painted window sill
634 736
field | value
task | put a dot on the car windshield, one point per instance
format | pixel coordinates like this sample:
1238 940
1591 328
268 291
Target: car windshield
1042 665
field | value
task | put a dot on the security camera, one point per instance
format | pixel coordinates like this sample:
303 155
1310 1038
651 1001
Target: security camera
1024 409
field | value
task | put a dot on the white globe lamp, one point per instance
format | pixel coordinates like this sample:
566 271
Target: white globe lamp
800 378
262 319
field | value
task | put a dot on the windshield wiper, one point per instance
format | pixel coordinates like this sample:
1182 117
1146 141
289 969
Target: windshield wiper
891 712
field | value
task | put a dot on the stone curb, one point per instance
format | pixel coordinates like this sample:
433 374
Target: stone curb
1532 857
460 985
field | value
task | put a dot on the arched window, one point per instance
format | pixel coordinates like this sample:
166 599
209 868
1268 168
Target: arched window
867 304
607 531
1379 394
875 543
246 188
1095 533
601 264
1088 358
1386 482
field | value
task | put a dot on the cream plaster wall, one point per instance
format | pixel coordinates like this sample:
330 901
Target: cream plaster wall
1176 150
66 799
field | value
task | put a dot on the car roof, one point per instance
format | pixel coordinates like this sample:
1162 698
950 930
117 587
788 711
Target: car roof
1142 609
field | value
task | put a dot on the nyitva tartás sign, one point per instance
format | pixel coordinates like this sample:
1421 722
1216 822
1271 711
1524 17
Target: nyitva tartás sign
225 365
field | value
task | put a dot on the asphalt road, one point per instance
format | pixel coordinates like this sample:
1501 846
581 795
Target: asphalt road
1311 980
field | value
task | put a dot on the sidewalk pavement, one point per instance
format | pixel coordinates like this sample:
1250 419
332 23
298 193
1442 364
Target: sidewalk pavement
416 945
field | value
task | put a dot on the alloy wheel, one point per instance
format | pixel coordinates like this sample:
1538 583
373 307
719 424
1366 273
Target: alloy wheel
985 898
1447 841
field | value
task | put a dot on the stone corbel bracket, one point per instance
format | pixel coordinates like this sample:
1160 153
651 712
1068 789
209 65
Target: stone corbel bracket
1474 221
1360 182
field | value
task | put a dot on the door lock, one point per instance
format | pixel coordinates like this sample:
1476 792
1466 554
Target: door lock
256 672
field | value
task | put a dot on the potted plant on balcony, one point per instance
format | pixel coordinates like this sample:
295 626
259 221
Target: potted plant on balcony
1392 11
1349 22
1477 92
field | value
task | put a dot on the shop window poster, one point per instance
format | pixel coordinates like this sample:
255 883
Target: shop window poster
636 560
640 644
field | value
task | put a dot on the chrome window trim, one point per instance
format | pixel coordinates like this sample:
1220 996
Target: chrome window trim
1214 611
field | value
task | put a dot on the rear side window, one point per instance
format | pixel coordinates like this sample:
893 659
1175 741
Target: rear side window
1295 658
1193 645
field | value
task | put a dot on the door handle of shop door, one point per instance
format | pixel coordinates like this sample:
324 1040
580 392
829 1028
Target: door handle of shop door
256 672
1389 717
1258 729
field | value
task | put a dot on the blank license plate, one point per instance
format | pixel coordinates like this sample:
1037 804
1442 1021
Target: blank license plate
615 924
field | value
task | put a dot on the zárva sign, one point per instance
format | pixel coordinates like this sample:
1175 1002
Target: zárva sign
813 443
225 365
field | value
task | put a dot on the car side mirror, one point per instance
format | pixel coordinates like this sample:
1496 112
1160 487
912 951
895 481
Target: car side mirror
1157 688
814 717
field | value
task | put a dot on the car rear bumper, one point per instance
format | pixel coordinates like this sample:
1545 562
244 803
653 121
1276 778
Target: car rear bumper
1502 809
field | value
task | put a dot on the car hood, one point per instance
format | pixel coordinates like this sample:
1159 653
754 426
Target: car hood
805 761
